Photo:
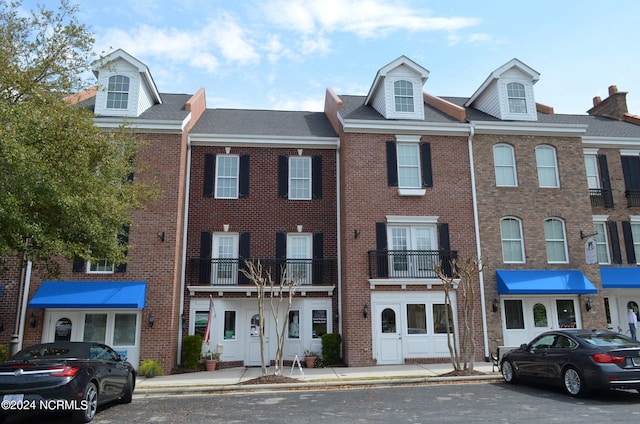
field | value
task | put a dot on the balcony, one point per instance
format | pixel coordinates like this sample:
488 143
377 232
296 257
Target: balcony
633 198
601 197
409 264
227 272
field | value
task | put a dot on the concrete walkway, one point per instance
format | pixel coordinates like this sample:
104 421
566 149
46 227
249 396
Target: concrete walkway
231 378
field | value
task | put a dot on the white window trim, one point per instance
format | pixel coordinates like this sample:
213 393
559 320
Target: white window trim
237 188
531 114
411 220
308 239
555 166
602 220
89 271
418 111
502 239
513 165
597 174
216 255
307 158
418 187
564 235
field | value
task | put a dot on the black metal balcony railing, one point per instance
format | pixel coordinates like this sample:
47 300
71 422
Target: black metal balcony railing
633 198
601 197
409 263
227 272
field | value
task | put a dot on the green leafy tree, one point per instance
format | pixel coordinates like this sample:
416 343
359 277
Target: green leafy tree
65 185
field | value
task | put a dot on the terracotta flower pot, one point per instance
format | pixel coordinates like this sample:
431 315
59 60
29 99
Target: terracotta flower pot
310 361
210 364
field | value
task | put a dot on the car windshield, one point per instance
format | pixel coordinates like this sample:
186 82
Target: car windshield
608 339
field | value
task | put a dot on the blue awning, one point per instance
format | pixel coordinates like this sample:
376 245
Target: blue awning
620 278
543 282
90 294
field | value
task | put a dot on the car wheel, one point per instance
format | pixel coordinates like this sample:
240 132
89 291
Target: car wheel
89 405
127 394
508 372
574 383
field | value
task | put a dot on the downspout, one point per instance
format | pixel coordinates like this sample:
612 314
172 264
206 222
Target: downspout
184 248
25 304
338 240
478 248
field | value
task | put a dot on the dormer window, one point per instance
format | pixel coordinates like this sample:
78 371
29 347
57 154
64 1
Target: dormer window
517 97
403 94
118 92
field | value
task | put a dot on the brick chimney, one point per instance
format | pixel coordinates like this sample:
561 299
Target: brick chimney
614 106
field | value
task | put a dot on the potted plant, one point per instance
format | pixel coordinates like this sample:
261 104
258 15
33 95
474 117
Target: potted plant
211 360
310 358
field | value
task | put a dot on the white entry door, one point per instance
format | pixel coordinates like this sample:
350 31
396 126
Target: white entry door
388 334
252 357
540 315
62 326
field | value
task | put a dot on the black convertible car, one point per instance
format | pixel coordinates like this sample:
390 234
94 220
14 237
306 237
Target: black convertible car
577 360
65 376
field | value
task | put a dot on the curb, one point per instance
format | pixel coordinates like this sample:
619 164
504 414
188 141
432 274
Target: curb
201 389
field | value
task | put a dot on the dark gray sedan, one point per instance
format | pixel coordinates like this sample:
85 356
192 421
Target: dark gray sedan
65 376
577 360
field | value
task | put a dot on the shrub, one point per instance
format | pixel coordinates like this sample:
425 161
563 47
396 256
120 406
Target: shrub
150 368
331 348
4 353
191 351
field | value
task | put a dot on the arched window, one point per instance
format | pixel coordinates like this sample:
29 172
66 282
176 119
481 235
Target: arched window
517 97
512 242
504 163
403 94
547 166
118 92
556 239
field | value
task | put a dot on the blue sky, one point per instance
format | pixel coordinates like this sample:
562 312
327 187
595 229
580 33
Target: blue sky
283 54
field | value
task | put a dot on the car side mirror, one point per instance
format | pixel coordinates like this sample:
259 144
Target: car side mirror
122 357
524 346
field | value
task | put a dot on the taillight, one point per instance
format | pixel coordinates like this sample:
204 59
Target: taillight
606 358
65 371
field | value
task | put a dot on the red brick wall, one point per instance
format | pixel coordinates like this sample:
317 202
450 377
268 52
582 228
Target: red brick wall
367 199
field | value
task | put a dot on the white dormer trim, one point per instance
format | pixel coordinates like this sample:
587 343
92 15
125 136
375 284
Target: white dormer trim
142 93
381 95
492 96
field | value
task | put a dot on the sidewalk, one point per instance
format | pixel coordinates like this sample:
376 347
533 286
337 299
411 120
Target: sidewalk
230 378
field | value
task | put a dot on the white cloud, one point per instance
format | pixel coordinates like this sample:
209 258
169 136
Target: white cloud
231 39
365 18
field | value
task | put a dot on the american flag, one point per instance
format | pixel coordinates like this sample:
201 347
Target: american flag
212 312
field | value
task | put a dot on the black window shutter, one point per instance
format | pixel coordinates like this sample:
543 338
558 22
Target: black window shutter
316 177
614 239
381 268
243 254
206 246
425 157
78 264
628 242
318 256
392 164
631 171
445 248
243 178
606 181
283 176
124 239
209 174
281 255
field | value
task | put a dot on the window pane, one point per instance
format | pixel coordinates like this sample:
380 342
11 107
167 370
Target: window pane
200 323
300 178
294 325
540 315
504 165
514 317
388 321
566 313
590 163
230 325
318 323
511 240
95 328
408 166
227 176
547 168
416 319
124 331
440 319
118 92
602 245
403 93
555 239
517 98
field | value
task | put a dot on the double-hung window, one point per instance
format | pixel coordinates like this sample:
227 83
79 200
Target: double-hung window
227 169
547 166
504 163
556 240
118 92
403 96
299 178
512 243
602 244
408 165
591 165
517 97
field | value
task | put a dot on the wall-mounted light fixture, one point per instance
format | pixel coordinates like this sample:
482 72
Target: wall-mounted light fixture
160 235
356 234
1 324
495 305
33 320
588 304
365 310
152 319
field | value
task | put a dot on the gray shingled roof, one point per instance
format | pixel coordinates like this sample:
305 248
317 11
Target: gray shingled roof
263 123
597 126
